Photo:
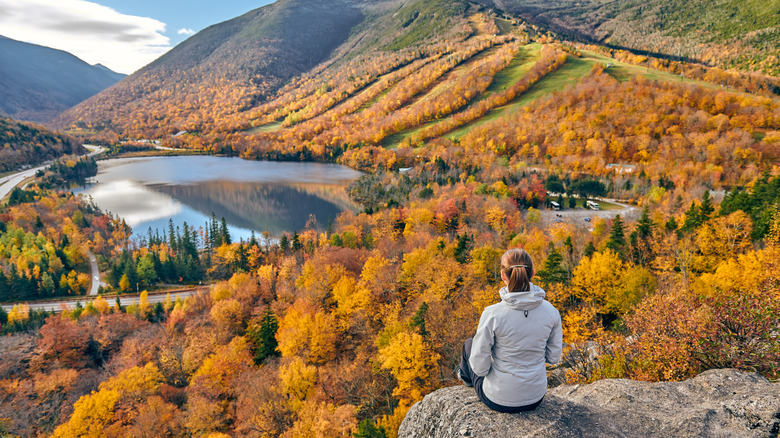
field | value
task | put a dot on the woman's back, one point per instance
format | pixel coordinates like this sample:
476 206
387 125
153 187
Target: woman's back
513 341
515 337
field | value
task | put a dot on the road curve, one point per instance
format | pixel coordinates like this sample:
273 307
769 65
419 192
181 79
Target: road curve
96 283
8 183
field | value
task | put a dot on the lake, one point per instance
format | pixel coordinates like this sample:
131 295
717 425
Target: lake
251 195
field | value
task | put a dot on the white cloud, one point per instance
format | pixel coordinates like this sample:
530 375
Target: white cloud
94 33
185 31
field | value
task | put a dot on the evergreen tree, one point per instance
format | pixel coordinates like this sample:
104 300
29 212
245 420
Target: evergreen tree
671 224
263 336
223 229
692 217
284 243
617 237
645 225
462 248
418 320
706 209
589 250
368 429
242 261
569 245
296 242
641 248
171 235
552 272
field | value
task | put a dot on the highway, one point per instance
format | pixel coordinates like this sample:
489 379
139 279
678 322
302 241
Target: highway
126 300
8 183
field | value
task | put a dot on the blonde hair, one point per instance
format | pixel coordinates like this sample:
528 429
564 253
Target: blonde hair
517 266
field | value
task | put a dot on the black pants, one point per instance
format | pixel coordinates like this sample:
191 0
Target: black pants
470 378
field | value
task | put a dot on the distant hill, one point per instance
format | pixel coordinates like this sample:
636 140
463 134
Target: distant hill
27 144
743 34
37 83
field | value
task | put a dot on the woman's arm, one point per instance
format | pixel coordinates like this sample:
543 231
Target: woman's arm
482 346
552 353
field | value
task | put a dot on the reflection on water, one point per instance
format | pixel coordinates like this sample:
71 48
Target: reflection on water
251 195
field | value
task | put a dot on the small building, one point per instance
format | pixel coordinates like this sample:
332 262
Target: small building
621 168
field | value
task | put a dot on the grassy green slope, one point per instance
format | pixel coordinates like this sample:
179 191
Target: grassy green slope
729 33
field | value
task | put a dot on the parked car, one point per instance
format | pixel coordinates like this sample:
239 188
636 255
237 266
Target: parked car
587 219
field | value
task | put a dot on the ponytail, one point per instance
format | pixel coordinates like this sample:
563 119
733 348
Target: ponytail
517 266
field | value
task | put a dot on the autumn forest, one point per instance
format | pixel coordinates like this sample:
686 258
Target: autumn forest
469 124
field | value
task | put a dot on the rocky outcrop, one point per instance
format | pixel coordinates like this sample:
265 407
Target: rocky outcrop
717 403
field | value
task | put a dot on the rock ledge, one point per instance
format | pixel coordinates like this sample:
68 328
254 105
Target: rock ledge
717 403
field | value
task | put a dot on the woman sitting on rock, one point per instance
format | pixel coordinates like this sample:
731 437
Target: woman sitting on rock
504 362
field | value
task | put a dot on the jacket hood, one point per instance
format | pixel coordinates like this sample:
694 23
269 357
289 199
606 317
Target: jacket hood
526 300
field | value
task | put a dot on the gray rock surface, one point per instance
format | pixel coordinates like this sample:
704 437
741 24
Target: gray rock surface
717 403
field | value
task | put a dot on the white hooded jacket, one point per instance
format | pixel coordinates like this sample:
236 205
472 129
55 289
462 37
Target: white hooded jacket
514 339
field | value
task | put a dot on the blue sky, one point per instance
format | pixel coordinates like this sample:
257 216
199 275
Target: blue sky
123 35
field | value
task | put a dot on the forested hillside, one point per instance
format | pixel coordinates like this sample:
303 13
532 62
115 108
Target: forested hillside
25 144
723 33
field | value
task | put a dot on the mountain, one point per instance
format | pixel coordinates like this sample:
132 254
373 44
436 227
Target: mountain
726 33
37 82
236 65
310 79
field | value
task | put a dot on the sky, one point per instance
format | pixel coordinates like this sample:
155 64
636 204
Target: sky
123 35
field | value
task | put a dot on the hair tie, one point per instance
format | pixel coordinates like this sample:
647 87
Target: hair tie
518 266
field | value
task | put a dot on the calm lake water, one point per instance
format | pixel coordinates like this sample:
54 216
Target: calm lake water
251 195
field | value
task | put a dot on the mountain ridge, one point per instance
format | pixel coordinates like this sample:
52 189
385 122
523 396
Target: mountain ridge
39 82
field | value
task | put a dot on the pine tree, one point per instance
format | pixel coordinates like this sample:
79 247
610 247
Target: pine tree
692 217
296 242
645 225
225 233
569 245
552 272
263 336
706 209
461 249
418 320
617 237
589 250
671 224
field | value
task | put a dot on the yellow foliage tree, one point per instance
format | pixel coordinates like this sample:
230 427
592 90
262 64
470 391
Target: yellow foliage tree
411 362
323 420
102 305
94 413
307 332
19 313
598 278
228 316
297 382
